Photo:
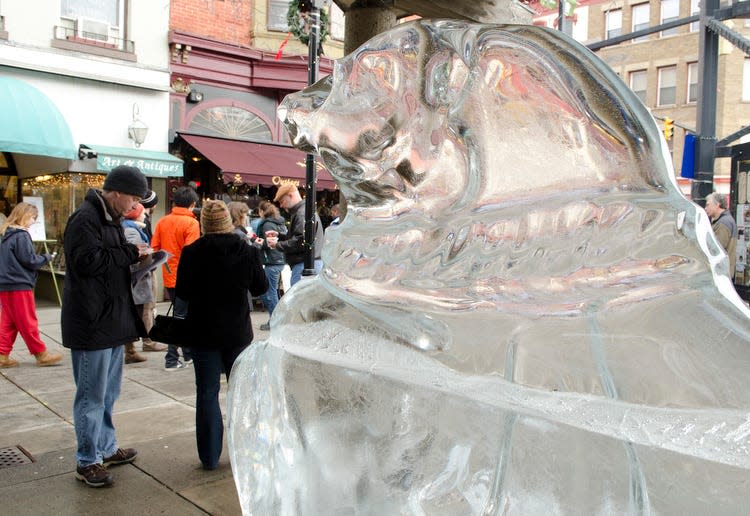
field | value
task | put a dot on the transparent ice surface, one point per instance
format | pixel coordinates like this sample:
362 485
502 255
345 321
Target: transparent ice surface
519 314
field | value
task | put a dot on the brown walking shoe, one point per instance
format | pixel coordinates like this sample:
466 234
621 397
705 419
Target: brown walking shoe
121 456
6 361
150 345
132 356
95 475
45 358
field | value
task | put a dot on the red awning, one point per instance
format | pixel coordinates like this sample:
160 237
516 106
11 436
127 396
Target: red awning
257 163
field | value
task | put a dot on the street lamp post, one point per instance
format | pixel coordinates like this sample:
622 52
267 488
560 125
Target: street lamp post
310 170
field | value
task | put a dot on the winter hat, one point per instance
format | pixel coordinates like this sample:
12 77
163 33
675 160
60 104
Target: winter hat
150 199
127 180
283 190
215 218
134 213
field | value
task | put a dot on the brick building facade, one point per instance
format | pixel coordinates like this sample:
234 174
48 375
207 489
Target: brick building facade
662 68
231 63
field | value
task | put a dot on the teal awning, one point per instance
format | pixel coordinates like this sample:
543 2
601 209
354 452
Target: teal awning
151 163
30 123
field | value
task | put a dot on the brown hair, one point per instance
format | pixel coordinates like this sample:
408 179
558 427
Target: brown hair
238 211
22 216
267 209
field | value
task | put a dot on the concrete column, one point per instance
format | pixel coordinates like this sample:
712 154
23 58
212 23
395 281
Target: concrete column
362 23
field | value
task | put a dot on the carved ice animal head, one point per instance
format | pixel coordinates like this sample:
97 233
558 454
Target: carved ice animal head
495 166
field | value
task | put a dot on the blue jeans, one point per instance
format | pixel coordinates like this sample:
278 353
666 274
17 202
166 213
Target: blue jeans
180 310
297 269
98 376
209 427
271 297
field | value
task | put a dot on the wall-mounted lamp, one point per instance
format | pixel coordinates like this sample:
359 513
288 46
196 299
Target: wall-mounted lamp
195 97
138 130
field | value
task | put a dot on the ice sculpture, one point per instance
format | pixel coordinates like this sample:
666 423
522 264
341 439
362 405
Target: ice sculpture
520 313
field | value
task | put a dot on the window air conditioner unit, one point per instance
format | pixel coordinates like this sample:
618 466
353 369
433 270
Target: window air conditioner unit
94 30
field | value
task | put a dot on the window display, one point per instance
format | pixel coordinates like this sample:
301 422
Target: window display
742 216
61 195
740 210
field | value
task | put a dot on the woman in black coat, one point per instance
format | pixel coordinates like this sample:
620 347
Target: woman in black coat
215 274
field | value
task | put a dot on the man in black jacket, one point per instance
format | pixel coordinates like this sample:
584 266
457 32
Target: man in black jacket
293 243
99 317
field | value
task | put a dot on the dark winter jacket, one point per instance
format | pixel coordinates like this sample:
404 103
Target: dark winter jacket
18 262
148 230
216 272
98 311
271 256
293 243
244 235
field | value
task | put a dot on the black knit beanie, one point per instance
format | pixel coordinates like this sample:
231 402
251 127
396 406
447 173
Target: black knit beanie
127 180
150 199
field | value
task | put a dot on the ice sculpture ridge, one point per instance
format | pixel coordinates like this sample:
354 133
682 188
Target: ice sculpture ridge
520 312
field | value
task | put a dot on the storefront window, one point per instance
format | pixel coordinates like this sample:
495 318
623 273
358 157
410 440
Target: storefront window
8 187
60 195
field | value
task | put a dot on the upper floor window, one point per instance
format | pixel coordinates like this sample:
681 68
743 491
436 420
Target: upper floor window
667 86
94 19
613 23
107 11
692 92
337 22
670 11
638 83
93 23
277 10
695 8
641 15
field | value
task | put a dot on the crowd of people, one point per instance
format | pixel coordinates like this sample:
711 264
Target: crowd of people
219 261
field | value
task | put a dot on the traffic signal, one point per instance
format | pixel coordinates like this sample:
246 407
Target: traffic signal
668 128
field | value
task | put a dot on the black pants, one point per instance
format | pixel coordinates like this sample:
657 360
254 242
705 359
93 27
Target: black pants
209 428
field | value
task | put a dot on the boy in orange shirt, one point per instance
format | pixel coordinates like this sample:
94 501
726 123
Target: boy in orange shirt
172 233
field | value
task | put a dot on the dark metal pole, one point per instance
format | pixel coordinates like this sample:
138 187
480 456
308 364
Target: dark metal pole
708 53
310 170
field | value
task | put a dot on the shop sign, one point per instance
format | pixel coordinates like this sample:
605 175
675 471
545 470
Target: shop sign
278 181
150 167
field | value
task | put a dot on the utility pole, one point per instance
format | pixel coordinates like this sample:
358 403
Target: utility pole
563 25
310 170
703 184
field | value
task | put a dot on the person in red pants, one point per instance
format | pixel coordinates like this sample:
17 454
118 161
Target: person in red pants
18 270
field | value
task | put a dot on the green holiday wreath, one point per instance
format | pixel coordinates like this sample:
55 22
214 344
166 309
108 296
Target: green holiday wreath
295 18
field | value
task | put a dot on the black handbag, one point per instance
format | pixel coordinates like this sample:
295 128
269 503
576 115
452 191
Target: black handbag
168 329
